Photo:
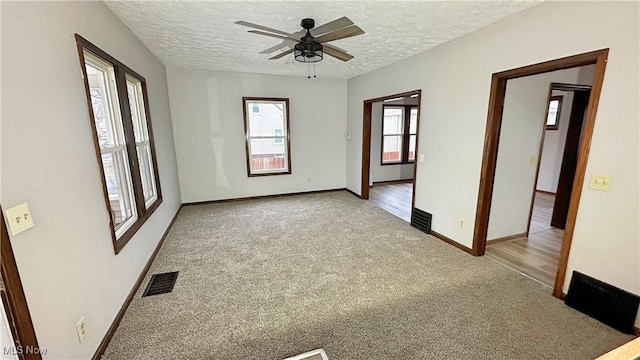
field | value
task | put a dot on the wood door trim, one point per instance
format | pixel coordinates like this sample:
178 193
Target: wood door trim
494 121
366 142
18 313
569 159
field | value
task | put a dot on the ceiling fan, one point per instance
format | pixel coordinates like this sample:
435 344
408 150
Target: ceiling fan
309 45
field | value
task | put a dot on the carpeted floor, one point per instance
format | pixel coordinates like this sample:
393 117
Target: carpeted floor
269 279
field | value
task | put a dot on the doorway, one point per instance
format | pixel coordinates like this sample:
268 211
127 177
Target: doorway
492 139
536 251
389 148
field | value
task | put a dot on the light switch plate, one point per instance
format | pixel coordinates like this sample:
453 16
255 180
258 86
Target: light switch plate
19 219
421 157
600 182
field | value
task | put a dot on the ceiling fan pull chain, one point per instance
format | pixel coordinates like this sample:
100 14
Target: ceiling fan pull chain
314 70
308 71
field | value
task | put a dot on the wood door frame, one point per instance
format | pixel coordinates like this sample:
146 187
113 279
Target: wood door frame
24 335
366 143
550 97
492 138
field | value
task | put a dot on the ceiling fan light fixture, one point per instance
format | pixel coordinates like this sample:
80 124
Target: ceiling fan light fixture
308 51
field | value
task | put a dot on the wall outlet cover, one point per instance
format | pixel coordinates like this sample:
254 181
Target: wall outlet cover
19 219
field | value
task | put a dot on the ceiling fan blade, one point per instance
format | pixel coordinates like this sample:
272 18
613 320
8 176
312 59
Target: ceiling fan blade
343 33
282 54
274 35
260 27
331 26
336 53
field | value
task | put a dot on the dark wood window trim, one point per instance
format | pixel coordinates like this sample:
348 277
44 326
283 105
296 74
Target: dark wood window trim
557 124
406 135
121 72
246 135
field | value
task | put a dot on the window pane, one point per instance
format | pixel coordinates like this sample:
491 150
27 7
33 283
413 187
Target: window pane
393 121
392 148
267 156
278 134
141 134
119 188
413 122
268 120
553 112
110 132
104 103
412 147
146 174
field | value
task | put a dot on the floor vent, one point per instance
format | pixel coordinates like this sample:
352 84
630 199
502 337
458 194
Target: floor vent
614 307
421 220
161 284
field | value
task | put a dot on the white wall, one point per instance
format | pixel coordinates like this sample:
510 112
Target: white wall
385 172
455 80
206 108
523 120
67 262
553 148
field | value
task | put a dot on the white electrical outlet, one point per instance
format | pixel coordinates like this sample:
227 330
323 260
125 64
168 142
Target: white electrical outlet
461 223
19 219
81 327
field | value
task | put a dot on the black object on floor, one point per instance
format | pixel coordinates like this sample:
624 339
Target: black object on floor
161 283
421 220
607 303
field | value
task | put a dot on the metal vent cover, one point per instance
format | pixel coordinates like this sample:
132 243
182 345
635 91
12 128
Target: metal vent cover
161 284
421 220
606 303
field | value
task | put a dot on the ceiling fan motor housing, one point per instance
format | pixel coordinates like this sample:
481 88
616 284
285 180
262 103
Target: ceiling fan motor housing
308 24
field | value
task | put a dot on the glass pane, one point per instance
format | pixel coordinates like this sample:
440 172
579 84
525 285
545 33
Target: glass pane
146 173
412 147
270 118
393 121
266 155
136 106
413 122
104 103
119 188
391 148
553 112
141 133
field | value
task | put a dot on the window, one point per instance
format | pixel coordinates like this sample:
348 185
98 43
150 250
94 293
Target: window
118 109
553 112
267 136
399 129
278 136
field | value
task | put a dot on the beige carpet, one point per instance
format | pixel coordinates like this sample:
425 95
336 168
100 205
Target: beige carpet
269 279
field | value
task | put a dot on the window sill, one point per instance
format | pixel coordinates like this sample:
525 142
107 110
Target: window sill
119 243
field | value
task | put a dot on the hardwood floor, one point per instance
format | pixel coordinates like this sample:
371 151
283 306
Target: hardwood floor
394 198
537 255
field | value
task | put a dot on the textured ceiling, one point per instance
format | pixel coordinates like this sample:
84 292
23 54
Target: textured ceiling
202 34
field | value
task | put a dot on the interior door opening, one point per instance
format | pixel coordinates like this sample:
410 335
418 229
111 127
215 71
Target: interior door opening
390 143
536 251
490 188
